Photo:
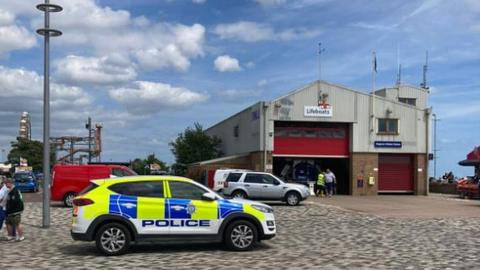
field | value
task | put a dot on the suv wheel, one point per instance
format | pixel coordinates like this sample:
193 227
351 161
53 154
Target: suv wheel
240 235
68 199
292 198
112 239
238 194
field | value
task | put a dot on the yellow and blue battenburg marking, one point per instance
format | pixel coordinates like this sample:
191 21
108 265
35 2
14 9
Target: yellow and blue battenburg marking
226 208
125 206
128 206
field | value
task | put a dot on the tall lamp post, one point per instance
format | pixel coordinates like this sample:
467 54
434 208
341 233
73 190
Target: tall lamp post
47 32
435 120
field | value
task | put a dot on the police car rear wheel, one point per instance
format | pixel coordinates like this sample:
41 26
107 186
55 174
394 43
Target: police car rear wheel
241 236
113 239
292 198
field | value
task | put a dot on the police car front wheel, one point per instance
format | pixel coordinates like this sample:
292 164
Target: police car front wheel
112 239
241 235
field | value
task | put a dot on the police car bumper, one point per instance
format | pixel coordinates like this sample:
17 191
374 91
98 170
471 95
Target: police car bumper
80 236
269 227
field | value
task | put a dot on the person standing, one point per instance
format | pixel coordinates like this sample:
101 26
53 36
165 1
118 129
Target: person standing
14 212
320 184
3 200
329 181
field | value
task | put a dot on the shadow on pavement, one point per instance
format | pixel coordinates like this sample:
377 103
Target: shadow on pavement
88 249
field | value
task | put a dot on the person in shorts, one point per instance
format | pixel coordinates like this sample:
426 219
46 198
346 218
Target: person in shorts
14 212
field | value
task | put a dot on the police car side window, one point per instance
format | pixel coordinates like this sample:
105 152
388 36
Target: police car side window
253 178
153 189
183 190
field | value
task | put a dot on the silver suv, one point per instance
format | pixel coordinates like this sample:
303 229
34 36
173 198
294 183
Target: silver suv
260 185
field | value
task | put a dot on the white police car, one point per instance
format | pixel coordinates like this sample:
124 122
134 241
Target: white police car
116 212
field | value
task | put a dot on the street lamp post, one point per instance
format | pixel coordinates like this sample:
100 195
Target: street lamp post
435 120
47 32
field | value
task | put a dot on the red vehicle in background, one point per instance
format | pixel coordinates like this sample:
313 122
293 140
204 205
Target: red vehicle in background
69 180
467 187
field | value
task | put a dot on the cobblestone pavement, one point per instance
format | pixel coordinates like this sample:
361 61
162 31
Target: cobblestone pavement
310 236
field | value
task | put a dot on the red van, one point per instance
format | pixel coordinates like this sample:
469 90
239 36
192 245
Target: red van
69 180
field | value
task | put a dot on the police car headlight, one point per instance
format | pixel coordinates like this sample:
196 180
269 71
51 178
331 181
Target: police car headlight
263 209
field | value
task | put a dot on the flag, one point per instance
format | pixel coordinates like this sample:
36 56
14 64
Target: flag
374 62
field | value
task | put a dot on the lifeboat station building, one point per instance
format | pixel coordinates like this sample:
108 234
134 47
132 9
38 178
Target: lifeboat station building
373 143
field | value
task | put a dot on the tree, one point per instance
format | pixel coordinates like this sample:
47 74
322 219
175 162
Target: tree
30 150
194 145
141 166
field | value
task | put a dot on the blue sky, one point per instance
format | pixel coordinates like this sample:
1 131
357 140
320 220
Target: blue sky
147 69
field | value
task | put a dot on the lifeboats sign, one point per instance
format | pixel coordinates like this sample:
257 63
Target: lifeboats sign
318 111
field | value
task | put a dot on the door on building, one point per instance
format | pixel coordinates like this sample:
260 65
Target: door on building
304 169
395 173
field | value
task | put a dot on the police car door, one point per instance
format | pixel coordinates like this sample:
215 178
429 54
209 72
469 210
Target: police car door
143 203
187 212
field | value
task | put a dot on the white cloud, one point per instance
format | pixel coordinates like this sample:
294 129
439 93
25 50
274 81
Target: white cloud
225 63
250 64
253 32
268 3
151 97
92 70
6 18
262 83
235 94
199 1
12 36
155 45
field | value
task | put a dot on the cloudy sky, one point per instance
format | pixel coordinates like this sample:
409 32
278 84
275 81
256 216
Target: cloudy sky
147 69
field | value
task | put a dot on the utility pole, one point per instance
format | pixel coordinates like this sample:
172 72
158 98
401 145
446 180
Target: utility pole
435 120
89 127
47 32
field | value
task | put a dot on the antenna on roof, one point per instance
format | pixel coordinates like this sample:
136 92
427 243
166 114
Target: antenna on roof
320 51
425 68
399 75
399 69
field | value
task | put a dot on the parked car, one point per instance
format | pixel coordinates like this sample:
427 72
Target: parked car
69 180
25 181
468 187
219 178
260 185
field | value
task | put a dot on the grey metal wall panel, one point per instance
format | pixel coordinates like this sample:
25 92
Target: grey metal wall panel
249 122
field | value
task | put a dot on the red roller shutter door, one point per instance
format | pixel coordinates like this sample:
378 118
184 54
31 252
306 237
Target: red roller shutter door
395 173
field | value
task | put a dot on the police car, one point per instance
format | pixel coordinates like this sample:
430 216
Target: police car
117 212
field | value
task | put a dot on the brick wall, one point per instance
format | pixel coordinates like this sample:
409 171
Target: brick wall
363 166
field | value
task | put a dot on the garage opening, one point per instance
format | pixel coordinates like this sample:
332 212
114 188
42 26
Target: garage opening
304 169
395 173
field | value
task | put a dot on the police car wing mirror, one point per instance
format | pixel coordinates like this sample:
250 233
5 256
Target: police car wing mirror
208 196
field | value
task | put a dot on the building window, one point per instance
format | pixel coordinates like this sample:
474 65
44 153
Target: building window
235 131
410 101
388 126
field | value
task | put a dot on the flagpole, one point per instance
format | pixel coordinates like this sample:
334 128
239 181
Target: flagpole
374 71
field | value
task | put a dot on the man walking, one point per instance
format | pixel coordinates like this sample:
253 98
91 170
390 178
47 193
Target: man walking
14 212
329 180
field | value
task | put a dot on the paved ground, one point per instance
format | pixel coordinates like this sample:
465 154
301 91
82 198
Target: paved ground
312 236
409 206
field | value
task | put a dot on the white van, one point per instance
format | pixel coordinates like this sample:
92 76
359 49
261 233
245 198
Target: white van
221 175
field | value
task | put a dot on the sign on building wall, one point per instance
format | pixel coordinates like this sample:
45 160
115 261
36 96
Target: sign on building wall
388 144
318 111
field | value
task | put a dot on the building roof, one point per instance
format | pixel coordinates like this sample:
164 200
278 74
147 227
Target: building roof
473 158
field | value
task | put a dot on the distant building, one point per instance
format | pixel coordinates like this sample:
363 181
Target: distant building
25 130
373 143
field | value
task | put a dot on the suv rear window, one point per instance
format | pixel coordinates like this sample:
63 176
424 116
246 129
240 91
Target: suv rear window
233 177
89 188
139 189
